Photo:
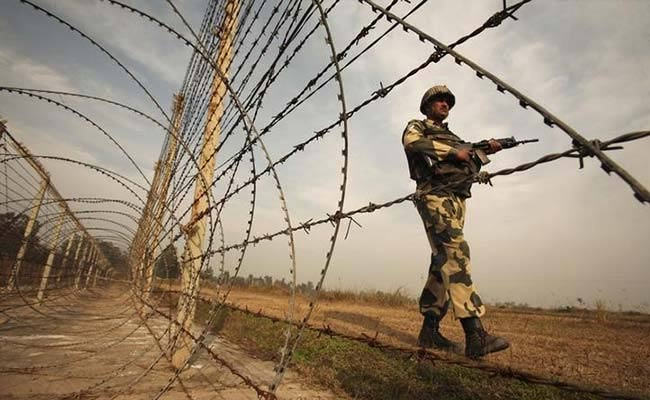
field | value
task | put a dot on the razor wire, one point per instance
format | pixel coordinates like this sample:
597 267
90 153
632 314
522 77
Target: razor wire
285 27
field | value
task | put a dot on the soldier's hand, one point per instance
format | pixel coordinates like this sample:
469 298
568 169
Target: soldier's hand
464 154
494 146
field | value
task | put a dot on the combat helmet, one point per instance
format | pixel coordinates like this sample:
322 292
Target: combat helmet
437 91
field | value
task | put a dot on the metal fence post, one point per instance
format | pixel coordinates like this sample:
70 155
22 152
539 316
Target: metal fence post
74 267
158 209
66 254
192 256
82 265
96 272
50 259
92 260
36 207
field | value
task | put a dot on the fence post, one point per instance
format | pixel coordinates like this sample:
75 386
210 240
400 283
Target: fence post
46 186
50 259
82 264
36 207
74 266
92 261
196 227
158 209
66 254
96 272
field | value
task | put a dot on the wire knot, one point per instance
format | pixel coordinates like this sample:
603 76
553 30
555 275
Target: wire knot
382 92
496 19
364 32
437 55
587 151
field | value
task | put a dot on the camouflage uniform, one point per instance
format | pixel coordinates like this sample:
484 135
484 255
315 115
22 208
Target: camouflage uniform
442 187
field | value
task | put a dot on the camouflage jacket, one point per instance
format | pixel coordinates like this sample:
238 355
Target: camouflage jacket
431 154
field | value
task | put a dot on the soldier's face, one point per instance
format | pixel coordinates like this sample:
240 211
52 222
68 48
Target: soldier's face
439 109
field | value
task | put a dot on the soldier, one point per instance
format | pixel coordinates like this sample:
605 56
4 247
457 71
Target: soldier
443 171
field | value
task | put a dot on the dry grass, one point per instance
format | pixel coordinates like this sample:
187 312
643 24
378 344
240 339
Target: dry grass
396 298
374 297
578 346
601 310
366 373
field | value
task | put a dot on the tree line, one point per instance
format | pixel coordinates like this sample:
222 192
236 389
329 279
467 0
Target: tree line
12 230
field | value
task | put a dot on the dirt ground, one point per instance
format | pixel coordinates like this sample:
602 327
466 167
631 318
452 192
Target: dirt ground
93 345
609 351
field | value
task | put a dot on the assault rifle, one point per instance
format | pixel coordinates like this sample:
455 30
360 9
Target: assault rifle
479 148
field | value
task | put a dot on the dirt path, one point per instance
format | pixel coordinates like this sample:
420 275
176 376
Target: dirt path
612 354
95 346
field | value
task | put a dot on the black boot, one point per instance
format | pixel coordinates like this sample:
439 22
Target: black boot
430 337
478 342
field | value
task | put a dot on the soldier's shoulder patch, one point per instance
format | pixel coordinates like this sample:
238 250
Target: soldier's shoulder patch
413 131
415 124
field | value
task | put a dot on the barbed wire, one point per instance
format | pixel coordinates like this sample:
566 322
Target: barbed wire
608 165
424 354
266 42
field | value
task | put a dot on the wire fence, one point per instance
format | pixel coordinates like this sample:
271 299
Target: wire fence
45 246
247 57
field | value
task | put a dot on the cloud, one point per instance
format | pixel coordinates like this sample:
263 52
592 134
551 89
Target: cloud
151 47
21 70
554 223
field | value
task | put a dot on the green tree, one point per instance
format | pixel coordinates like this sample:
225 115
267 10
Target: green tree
116 257
12 229
207 273
167 265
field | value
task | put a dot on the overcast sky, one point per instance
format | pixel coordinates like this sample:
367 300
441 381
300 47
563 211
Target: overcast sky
544 237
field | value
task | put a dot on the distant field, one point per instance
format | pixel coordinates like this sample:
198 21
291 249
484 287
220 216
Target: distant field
606 350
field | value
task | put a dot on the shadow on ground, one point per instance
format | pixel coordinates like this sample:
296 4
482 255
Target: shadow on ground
373 325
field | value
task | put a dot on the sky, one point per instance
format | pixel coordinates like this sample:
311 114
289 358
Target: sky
545 237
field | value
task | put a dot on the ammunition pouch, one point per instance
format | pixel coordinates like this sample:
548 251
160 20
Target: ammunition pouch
453 176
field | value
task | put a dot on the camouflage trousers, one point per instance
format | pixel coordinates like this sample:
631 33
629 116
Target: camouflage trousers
449 280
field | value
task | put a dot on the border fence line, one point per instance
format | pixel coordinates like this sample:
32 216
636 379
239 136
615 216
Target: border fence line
240 53
59 229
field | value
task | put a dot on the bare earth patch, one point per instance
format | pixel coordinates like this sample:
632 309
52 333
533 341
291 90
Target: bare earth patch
94 346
